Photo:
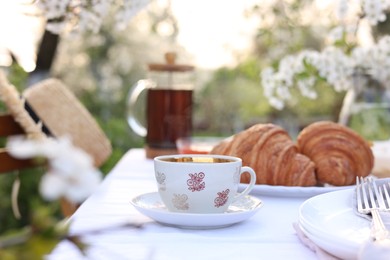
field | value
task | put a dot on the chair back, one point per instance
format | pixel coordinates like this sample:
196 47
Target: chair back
9 127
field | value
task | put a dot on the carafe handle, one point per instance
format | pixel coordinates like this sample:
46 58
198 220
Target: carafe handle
132 98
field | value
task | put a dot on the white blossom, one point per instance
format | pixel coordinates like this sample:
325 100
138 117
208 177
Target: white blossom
342 9
87 15
306 87
54 9
331 64
22 148
52 186
71 173
129 10
337 68
374 10
75 187
336 34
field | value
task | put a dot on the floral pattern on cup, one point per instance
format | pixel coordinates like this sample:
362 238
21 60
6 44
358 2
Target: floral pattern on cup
222 198
160 177
179 201
195 182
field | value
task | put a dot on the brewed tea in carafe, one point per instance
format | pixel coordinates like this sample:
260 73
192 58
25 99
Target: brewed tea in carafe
168 106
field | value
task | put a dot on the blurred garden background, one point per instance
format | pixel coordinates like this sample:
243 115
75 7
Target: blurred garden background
230 43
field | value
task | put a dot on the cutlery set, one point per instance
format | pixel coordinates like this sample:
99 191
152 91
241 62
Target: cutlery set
374 200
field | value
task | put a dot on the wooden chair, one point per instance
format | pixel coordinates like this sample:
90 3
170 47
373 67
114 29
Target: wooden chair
9 127
49 104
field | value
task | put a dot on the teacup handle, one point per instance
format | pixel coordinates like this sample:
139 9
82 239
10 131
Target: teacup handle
250 185
134 93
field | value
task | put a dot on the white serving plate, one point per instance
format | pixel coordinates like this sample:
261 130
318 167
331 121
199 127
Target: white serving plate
330 222
291 191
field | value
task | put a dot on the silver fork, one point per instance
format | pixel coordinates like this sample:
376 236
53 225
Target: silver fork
369 200
384 192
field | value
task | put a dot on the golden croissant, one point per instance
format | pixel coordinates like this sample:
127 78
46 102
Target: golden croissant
325 153
339 153
270 151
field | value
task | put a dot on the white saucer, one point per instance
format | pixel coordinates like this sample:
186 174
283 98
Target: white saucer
150 204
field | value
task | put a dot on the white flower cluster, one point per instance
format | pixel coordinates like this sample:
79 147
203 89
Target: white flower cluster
87 15
332 64
71 173
372 10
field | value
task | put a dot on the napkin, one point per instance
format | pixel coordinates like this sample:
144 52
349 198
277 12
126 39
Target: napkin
379 249
321 254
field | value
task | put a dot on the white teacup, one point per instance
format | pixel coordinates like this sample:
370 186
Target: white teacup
196 183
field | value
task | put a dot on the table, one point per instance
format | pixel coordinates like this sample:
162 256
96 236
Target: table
267 235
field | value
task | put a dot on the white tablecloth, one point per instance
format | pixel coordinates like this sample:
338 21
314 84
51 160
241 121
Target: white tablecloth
267 235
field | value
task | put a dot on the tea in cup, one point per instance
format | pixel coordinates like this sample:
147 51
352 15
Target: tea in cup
200 183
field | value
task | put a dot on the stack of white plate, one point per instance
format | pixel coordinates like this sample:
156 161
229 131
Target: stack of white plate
330 222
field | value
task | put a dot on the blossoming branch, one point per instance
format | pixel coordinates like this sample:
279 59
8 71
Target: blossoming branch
335 65
71 174
87 15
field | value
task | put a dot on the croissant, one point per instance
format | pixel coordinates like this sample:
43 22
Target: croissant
269 150
339 153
